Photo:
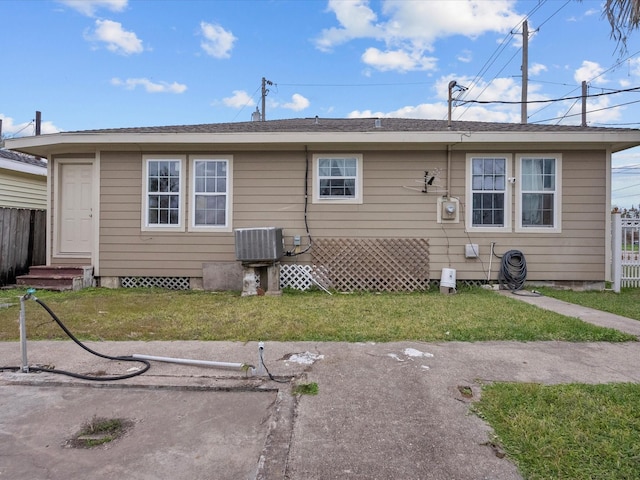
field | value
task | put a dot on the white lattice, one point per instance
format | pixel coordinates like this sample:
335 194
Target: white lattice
170 283
295 276
372 264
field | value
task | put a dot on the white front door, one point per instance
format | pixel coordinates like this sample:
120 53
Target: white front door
75 212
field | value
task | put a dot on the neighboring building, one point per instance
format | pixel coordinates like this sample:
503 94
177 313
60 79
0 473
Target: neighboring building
23 181
375 202
23 201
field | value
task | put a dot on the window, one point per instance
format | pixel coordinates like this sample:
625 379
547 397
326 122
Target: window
487 189
210 193
337 178
538 193
163 193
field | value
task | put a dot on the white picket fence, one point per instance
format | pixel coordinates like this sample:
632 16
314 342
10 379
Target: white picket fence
625 243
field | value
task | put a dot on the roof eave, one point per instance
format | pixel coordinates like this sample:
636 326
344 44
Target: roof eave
45 145
22 167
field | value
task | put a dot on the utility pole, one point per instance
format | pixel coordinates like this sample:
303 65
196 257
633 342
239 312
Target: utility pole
525 71
459 88
584 103
265 91
38 122
452 85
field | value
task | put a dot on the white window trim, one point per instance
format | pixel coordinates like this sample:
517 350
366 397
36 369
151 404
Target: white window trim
145 227
557 205
468 214
192 194
316 180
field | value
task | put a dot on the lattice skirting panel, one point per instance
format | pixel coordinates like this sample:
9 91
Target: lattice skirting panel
371 264
300 277
170 283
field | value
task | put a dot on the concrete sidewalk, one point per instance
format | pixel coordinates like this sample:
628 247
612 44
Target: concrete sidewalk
597 317
383 411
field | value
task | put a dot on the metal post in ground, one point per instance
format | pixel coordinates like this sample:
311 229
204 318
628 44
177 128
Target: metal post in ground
23 333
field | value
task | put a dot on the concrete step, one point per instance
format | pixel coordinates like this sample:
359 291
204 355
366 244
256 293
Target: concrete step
57 277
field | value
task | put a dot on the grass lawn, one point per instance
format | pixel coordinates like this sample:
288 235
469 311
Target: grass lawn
570 431
625 303
149 314
551 432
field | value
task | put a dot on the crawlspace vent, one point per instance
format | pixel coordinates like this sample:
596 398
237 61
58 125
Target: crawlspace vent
170 283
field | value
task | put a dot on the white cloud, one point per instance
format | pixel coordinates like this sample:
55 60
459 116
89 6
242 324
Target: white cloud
356 21
426 22
598 110
425 110
413 27
537 69
11 129
117 39
399 60
149 86
590 72
298 102
240 99
504 89
439 110
217 42
89 7
465 56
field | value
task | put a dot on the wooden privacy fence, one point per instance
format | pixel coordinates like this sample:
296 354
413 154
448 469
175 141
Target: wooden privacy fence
626 251
23 236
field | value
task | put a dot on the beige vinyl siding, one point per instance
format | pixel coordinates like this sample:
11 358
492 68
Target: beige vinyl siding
577 253
22 190
126 250
268 190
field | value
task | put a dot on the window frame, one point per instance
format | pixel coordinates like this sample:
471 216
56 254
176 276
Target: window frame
227 227
357 198
145 225
506 227
557 194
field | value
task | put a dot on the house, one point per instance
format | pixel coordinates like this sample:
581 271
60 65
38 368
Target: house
380 204
23 201
23 181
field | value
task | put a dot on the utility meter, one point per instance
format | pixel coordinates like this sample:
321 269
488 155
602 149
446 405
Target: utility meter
449 210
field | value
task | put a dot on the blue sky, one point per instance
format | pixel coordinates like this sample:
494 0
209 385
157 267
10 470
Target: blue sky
124 63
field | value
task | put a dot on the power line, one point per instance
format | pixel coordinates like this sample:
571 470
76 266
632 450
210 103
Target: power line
624 188
589 111
633 165
501 48
16 133
394 84
576 97
629 196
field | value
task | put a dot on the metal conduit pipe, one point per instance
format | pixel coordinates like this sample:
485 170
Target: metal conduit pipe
189 361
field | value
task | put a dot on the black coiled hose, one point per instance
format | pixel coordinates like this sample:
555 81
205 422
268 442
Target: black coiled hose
513 270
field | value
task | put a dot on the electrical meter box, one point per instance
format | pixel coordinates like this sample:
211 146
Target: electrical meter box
448 210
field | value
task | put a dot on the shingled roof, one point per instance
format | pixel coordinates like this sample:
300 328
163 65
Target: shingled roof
22 158
353 125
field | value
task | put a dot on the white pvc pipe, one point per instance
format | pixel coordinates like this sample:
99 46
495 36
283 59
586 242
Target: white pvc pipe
23 335
188 361
490 258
